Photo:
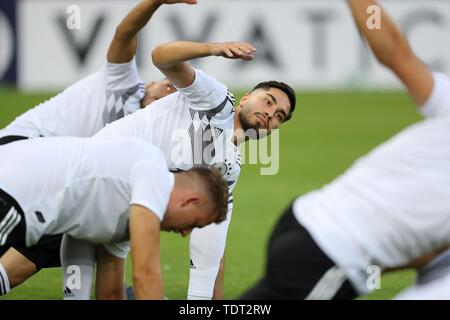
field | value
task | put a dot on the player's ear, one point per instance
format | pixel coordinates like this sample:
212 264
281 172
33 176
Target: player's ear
150 84
191 199
244 99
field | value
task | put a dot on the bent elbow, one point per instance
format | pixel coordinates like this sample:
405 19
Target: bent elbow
157 56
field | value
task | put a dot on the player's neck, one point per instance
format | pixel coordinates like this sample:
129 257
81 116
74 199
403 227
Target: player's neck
238 134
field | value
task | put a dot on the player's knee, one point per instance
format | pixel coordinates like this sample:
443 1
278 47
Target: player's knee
21 274
16 268
4 281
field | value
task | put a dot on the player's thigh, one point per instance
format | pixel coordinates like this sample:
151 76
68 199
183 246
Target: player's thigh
298 269
17 266
45 254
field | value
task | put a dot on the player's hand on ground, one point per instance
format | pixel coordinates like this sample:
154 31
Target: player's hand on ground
233 50
175 1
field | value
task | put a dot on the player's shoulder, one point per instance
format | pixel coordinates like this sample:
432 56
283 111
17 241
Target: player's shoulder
171 101
133 146
141 145
226 108
441 84
204 85
438 103
203 76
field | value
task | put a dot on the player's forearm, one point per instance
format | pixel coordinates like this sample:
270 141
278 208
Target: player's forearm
123 46
148 287
387 42
170 54
218 293
145 227
137 19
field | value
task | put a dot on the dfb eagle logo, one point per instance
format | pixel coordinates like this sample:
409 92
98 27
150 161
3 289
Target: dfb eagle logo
222 167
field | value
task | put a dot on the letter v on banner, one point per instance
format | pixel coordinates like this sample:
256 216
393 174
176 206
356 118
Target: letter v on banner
80 48
8 43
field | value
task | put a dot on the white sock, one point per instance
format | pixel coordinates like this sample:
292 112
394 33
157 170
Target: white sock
4 281
78 260
191 297
207 246
201 284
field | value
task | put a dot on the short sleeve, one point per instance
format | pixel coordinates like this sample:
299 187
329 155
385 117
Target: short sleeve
438 104
124 87
205 93
151 186
119 249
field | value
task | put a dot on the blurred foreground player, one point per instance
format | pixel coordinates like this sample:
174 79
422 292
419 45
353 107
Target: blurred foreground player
391 209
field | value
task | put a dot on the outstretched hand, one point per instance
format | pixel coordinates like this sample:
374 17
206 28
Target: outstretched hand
175 1
233 50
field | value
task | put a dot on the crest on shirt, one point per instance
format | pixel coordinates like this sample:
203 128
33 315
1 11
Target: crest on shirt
222 167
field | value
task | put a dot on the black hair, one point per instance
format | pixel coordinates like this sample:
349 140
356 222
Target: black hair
283 87
217 188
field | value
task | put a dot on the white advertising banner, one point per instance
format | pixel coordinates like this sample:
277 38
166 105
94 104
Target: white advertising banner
311 44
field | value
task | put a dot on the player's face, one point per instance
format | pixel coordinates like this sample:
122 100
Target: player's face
263 110
187 214
156 90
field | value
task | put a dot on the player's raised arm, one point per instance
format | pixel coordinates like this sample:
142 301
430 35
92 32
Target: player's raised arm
144 235
171 58
391 48
123 46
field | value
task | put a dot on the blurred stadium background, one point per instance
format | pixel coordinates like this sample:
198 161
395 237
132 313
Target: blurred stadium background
347 104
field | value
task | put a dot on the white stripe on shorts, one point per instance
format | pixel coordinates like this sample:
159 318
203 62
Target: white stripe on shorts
11 220
330 283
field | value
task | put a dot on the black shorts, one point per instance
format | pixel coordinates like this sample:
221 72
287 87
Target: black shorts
46 253
297 268
9 139
12 222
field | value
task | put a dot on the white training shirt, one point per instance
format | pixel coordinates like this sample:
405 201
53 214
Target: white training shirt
439 289
192 127
391 206
85 107
84 187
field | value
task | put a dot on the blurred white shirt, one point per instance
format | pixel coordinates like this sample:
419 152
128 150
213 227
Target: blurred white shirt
85 107
391 206
84 187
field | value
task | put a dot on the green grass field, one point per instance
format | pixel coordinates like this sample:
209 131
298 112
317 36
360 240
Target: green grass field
328 132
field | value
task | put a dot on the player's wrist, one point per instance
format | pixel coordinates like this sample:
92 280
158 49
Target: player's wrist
213 49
